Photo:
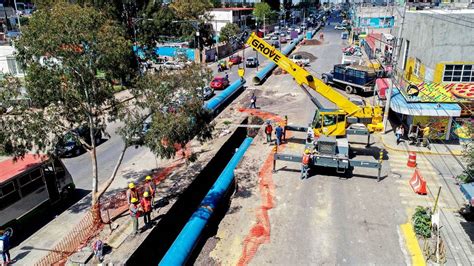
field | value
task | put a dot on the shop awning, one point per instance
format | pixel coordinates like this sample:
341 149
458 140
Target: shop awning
401 106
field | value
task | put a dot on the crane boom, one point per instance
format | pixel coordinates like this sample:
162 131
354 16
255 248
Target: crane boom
301 76
370 115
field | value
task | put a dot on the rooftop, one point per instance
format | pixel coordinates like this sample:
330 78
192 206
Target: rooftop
232 9
443 11
9 168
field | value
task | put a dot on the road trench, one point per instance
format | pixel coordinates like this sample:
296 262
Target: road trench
164 233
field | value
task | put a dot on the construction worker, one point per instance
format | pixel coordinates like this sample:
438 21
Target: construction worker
146 207
150 187
268 131
134 209
426 135
132 192
278 134
253 101
305 163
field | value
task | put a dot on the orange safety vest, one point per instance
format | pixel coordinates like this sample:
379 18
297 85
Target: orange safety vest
306 159
133 194
146 204
150 189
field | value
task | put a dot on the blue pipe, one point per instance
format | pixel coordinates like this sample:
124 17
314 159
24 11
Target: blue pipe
217 101
262 74
189 236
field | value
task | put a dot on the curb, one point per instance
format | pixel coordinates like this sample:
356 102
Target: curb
388 147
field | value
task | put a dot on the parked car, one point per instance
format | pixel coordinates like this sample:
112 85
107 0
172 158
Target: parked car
276 44
283 40
205 93
299 59
70 145
251 62
219 83
235 59
275 37
339 27
173 65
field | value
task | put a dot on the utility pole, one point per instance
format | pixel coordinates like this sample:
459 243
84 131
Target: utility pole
395 56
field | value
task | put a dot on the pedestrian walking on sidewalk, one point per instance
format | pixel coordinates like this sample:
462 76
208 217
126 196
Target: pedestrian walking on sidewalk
278 134
146 207
134 214
132 192
268 131
305 164
5 246
399 133
150 187
253 101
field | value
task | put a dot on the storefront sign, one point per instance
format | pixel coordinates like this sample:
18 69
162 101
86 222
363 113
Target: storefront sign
383 22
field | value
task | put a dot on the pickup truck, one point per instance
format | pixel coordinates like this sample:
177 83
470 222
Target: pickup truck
354 78
299 59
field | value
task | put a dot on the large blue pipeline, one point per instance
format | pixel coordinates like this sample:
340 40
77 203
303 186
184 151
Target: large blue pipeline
262 74
217 101
189 236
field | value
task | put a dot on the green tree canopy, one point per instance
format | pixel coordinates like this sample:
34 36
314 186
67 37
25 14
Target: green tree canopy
191 9
228 31
262 10
63 49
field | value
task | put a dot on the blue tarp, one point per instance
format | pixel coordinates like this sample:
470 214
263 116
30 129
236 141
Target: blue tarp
399 104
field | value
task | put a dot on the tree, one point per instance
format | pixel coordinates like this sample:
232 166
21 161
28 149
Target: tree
191 9
229 31
63 49
262 11
177 111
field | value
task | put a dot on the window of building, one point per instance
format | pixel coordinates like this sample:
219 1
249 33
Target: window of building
458 73
417 67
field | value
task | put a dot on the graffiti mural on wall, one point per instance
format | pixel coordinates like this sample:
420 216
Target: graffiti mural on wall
438 125
439 93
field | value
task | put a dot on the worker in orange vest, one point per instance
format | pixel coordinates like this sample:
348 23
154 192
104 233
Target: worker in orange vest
150 187
134 209
132 192
146 207
305 164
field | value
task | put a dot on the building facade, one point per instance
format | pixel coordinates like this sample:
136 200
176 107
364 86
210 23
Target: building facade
221 16
434 71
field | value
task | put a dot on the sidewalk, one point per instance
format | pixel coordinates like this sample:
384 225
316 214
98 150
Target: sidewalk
389 141
41 243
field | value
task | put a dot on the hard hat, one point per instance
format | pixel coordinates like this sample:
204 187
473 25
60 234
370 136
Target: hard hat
306 151
134 200
146 194
131 185
148 177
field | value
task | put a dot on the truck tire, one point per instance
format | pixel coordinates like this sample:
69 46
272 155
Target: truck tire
349 89
325 80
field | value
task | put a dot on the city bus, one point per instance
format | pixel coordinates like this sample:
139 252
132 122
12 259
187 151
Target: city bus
29 185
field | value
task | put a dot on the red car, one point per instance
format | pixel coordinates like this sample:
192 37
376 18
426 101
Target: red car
219 83
235 59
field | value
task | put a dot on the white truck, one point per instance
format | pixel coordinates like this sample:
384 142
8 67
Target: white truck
299 59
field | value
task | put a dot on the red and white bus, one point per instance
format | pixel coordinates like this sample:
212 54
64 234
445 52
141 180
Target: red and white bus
30 184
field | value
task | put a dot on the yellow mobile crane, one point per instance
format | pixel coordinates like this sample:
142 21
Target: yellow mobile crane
331 125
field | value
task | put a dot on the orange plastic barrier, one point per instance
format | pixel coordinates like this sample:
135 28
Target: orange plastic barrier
412 159
418 184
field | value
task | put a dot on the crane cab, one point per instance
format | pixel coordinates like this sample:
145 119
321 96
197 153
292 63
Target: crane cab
329 123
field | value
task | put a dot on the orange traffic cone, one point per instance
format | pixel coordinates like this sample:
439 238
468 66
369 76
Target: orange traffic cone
418 184
412 159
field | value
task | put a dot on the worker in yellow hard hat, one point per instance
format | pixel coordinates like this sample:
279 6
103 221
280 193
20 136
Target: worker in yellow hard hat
305 161
150 187
146 207
132 192
134 210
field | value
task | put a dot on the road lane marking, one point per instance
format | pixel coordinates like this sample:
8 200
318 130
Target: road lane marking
411 244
